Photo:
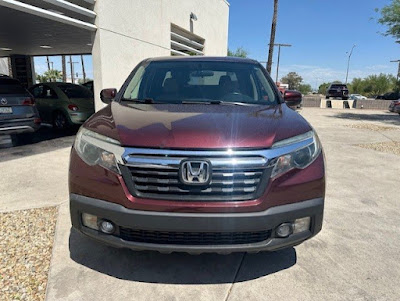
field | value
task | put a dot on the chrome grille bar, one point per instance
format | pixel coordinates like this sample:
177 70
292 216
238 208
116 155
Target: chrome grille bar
236 176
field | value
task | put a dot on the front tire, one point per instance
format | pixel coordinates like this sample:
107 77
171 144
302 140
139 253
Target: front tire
60 121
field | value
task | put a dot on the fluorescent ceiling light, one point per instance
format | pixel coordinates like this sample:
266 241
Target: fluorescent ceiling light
6 49
45 46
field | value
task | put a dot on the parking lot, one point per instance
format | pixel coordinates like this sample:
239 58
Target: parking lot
355 257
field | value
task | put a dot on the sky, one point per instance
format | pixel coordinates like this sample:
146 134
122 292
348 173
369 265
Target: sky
40 63
321 32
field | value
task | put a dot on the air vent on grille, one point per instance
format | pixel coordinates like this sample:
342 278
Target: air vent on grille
193 238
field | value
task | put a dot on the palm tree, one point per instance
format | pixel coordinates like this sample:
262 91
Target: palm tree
53 75
272 39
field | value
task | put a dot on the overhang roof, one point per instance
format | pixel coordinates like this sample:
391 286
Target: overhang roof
24 30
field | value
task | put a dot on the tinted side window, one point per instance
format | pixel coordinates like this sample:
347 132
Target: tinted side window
11 86
37 91
49 93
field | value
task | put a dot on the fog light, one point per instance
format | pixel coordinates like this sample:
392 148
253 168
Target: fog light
301 224
90 221
106 227
284 230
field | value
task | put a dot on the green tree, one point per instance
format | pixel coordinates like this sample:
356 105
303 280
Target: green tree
53 75
323 87
41 78
293 80
239 52
305 88
390 17
357 86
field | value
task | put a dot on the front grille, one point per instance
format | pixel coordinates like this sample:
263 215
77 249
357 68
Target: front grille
158 178
193 238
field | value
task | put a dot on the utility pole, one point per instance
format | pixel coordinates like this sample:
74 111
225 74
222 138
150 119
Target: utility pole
279 57
348 62
48 62
72 68
272 38
398 70
64 70
83 69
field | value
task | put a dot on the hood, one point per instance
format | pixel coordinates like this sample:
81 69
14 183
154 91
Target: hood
197 126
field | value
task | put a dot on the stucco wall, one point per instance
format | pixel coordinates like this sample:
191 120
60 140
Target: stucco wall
130 31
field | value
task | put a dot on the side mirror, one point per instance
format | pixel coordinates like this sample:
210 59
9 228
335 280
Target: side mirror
292 98
107 95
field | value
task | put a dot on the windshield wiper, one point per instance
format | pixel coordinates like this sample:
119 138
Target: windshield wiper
137 100
217 102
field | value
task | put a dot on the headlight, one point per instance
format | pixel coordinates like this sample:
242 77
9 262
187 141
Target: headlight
300 158
89 144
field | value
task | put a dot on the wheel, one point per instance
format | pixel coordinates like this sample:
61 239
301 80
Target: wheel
60 122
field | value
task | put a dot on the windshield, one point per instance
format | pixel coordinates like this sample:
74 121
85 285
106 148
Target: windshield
75 91
339 86
185 81
11 86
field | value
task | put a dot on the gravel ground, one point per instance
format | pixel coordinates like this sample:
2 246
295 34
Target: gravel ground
392 147
371 127
26 241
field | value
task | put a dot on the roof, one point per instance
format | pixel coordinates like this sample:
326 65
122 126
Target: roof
200 58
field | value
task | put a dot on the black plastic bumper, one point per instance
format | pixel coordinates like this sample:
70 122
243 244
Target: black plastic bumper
198 222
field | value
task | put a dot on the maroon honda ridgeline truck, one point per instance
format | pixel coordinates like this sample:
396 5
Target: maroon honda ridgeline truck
197 154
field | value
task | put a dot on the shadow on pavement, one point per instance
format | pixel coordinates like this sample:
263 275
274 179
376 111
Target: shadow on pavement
388 118
44 140
176 268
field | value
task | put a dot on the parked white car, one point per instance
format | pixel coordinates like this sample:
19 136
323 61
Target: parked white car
357 97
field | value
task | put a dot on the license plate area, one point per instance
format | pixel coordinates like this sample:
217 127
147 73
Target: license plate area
6 110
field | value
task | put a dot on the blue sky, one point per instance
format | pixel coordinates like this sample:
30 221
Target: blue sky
321 32
41 64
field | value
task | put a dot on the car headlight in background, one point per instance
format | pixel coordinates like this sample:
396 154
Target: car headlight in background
88 146
300 158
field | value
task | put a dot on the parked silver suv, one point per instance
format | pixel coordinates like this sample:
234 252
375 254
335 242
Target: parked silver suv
18 112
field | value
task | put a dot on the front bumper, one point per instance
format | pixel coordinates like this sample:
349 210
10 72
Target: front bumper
197 222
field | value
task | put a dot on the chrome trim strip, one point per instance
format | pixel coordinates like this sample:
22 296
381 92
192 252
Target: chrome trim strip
217 163
22 127
129 155
251 158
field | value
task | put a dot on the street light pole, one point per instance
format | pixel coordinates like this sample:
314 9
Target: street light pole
348 62
398 70
279 58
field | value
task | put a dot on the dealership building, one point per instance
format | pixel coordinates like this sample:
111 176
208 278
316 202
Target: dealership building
118 33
